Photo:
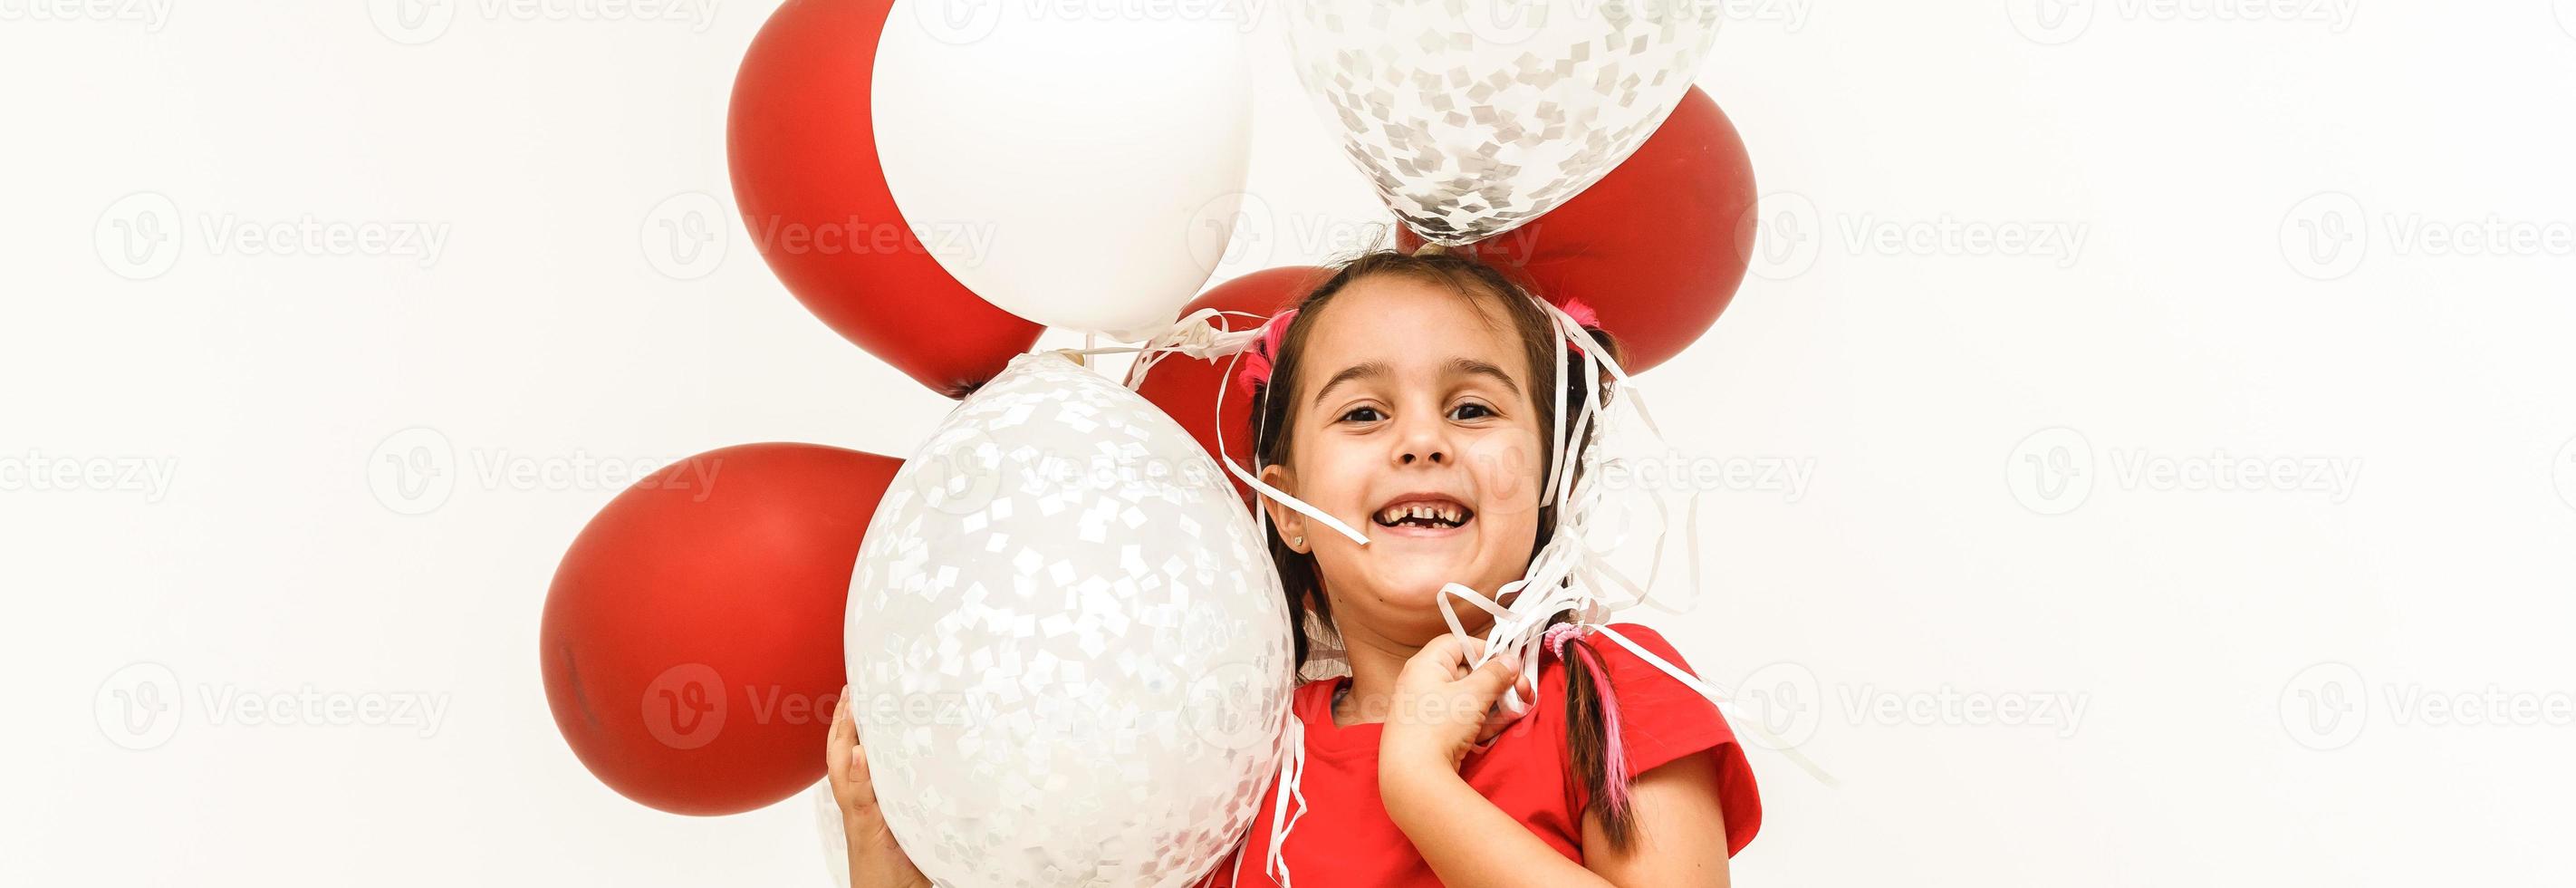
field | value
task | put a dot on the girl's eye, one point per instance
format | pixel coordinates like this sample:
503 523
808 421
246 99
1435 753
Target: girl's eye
1482 411
1354 414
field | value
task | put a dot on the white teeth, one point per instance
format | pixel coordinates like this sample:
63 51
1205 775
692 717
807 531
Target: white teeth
1449 514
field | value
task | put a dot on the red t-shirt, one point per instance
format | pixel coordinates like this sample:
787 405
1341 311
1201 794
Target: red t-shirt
1345 838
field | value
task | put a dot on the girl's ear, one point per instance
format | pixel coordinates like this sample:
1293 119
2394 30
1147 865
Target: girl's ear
1290 523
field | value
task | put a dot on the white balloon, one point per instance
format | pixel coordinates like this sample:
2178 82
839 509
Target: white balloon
1068 650
1075 166
1472 117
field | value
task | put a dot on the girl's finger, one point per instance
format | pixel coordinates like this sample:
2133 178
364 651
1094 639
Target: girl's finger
1487 685
859 774
1495 721
1444 649
1489 680
841 743
844 728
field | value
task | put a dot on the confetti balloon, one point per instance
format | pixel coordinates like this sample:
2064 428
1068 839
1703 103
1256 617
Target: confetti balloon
1474 116
1068 650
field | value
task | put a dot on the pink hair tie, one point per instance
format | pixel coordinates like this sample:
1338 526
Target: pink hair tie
1257 359
1554 638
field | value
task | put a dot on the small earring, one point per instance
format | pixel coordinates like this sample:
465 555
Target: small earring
1299 541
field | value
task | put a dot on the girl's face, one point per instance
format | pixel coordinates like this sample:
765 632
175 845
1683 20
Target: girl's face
1414 425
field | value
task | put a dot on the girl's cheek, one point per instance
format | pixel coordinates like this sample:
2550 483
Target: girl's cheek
1344 478
1506 471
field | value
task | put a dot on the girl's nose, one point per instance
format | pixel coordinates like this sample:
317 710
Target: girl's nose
1422 443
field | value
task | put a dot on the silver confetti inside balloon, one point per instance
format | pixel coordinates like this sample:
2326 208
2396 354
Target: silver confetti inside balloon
1472 117
1068 651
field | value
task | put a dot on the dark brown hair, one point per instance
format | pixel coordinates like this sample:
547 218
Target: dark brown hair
1273 428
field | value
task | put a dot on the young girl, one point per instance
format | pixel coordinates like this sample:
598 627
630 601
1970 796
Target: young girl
1412 395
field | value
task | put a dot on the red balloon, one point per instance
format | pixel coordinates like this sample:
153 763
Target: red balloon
692 639
1657 247
805 175
1185 387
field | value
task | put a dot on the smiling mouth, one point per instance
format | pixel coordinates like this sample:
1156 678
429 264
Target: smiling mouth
1424 517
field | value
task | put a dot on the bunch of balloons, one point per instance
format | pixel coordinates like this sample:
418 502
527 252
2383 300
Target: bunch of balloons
1065 643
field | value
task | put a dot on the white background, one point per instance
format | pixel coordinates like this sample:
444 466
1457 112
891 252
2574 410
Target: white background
1948 547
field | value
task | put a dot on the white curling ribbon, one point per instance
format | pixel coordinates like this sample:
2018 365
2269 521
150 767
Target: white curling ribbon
1571 574
1571 571
1195 334
1292 770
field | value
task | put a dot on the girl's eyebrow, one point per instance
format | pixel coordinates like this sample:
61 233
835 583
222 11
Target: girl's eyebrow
1457 366
1368 370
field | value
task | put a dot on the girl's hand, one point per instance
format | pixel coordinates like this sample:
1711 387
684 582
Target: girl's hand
1442 708
875 860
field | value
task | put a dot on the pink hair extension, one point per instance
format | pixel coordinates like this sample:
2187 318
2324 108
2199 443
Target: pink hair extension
1614 754
1583 314
1256 360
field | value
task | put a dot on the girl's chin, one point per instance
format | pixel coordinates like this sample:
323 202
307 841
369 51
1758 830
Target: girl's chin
1419 586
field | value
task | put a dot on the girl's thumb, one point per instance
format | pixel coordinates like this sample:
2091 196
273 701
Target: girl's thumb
1496 675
